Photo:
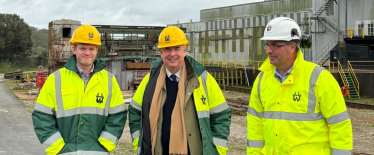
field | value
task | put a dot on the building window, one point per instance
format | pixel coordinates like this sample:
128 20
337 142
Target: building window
66 32
360 26
370 29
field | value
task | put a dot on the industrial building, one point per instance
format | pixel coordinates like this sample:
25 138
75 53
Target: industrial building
234 32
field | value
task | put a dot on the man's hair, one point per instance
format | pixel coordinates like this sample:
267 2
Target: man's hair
297 42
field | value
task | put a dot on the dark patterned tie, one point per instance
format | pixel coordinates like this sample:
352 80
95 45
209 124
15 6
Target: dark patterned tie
174 77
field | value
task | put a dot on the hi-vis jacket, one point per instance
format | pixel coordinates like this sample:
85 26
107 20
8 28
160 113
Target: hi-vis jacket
214 115
304 115
71 119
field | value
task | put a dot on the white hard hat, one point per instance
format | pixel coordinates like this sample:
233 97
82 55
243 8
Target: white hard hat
282 28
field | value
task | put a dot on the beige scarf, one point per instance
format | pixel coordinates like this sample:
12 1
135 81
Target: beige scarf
178 138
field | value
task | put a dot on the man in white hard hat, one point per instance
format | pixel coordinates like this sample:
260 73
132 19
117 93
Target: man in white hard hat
296 107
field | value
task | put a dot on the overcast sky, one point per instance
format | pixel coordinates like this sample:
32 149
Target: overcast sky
38 13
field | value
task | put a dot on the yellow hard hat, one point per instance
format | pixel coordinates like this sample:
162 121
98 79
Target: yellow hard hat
86 34
172 36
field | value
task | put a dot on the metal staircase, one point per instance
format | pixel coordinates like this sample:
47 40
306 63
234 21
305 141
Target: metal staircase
350 80
331 22
322 8
352 93
324 55
354 89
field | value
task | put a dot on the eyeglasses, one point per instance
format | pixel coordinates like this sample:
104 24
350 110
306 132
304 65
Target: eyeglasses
274 46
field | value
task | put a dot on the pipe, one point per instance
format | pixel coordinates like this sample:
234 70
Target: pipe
338 24
246 74
346 10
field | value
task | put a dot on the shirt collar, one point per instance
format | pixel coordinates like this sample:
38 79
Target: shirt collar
80 71
279 75
168 73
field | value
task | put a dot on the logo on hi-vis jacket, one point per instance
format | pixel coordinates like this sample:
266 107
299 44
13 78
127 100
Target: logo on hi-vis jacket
296 97
99 99
203 99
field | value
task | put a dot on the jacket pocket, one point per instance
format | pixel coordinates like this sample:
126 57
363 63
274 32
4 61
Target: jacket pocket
67 94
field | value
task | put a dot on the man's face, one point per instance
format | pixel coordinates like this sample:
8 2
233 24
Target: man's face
85 53
173 57
280 52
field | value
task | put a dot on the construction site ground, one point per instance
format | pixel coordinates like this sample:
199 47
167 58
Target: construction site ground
362 122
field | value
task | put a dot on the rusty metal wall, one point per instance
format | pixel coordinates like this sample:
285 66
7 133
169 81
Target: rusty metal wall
128 40
60 32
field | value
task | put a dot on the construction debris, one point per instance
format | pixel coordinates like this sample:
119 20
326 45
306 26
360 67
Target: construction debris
34 92
18 87
23 86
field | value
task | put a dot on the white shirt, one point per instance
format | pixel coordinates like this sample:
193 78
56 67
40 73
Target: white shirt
178 74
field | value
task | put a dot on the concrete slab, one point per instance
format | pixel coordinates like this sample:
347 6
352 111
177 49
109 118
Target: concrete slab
128 100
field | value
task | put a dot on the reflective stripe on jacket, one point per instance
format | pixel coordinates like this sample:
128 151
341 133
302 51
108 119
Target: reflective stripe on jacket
306 114
71 119
214 115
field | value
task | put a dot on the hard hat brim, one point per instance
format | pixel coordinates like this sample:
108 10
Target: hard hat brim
172 45
73 43
279 38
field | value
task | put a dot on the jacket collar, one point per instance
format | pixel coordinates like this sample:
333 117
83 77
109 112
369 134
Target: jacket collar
72 64
191 65
298 63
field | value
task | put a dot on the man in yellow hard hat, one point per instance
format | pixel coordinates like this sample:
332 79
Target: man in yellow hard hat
178 108
296 106
80 109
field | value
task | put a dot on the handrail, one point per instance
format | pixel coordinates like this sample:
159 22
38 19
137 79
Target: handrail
332 67
342 75
350 32
362 66
335 20
325 50
223 82
361 61
224 64
318 5
355 80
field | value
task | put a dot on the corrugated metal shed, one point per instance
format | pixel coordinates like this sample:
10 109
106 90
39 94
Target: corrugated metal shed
233 38
253 9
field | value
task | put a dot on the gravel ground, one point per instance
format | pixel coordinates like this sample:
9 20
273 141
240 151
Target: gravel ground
363 130
362 124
